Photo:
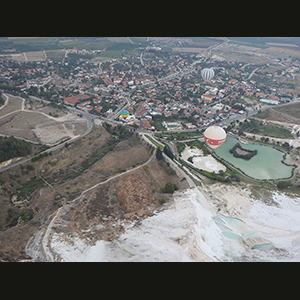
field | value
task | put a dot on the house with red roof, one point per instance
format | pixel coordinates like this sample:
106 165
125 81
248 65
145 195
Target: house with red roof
75 99
232 81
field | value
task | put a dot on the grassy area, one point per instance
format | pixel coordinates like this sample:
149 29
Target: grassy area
257 127
111 53
154 142
158 125
292 110
275 131
30 186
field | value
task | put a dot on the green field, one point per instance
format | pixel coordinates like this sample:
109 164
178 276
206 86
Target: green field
257 127
154 142
112 53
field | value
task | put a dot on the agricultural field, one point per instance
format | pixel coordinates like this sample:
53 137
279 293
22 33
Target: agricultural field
35 56
55 55
111 54
284 50
188 49
70 44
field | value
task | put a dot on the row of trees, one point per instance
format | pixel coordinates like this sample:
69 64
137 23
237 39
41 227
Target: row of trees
2 101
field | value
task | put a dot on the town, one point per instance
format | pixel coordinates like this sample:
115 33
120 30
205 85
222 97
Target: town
106 153
162 90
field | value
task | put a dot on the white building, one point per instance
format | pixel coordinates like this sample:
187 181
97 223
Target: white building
171 125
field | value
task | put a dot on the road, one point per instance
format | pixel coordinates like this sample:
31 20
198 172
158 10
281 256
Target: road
117 112
249 77
253 112
89 118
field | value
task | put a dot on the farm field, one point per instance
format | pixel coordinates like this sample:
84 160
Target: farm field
284 50
35 56
111 53
55 55
189 49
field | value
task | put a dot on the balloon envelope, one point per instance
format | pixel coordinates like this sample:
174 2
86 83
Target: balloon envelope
214 136
207 74
124 114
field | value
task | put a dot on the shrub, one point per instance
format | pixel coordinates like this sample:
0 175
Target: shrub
284 184
29 167
161 200
190 159
169 188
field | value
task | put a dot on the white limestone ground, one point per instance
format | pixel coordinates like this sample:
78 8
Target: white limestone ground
193 228
207 163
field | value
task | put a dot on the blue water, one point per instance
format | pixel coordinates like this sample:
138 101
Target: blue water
231 220
265 165
231 235
262 247
249 234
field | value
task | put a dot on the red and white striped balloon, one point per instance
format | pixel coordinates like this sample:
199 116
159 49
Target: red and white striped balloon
214 136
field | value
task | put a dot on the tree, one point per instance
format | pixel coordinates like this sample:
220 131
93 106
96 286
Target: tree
169 188
168 152
159 155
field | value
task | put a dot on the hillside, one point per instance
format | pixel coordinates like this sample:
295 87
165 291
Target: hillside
31 193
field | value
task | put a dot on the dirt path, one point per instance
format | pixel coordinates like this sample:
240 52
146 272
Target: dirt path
6 101
45 237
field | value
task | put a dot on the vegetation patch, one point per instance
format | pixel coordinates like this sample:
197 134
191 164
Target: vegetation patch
11 147
161 147
284 184
30 186
161 200
238 151
169 188
259 127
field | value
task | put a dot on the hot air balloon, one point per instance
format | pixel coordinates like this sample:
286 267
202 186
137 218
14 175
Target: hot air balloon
207 74
214 136
124 114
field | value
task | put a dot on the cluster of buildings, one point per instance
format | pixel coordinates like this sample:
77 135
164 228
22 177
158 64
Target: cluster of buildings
158 84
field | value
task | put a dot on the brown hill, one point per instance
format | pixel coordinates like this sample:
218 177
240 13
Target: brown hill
30 195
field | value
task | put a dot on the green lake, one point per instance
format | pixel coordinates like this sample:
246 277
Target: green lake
265 165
